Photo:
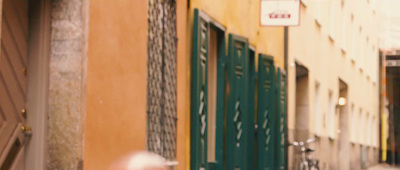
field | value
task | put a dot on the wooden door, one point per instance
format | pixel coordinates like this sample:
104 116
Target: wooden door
13 83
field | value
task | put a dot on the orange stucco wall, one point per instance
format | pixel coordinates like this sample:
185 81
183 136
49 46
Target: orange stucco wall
183 89
242 17
115 122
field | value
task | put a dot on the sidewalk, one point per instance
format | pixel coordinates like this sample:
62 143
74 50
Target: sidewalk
383 167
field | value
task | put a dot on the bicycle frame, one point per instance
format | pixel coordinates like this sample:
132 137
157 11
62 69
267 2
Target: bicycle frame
305 163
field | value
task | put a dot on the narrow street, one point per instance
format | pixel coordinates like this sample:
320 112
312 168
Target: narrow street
383 167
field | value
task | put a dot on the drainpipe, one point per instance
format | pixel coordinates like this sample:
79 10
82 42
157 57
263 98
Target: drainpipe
285 55
380 107
391 113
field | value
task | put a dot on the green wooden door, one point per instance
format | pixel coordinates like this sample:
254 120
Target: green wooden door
237 104
281 129
266 118
199 93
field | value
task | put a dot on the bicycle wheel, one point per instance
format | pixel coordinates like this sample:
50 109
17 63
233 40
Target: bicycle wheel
314 168
304 166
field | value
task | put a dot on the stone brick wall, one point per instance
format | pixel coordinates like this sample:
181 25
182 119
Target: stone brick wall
68 55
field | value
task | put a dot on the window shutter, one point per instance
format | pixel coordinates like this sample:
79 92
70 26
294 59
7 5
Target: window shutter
221 71
266 113
237 104
202 30
199 93
251 113
281 120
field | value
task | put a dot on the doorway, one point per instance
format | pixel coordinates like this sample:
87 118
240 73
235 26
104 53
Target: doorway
301 130
344 137
393 93
302 103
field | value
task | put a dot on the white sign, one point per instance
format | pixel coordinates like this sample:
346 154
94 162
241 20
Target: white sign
280 12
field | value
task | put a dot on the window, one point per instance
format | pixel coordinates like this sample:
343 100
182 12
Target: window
304 2
375 132
332 21
332 111
354 46
161 81
353 31
344 31
360 46
361 127
353 124
368 128
362 52
372 130
371 60
317 110
318 13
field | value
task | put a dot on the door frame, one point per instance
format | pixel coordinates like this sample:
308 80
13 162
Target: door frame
38 83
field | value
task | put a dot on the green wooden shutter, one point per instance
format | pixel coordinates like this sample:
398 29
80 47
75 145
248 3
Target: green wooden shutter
221 71
266 118
201 31
199 93
251 114
237 105
281 120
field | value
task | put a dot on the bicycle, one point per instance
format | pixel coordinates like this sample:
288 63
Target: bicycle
306 163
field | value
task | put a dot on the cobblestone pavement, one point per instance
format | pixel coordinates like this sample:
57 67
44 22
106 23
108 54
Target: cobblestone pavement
383 167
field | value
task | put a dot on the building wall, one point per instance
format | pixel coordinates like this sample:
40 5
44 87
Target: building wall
242 18
66 90
183 88
238 17
335 40
115 122
355 160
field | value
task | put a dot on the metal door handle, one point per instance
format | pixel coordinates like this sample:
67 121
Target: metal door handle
27 130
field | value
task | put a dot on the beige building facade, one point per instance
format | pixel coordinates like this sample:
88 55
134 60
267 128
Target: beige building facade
334 55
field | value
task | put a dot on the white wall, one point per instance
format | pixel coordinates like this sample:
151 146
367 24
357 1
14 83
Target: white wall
326 47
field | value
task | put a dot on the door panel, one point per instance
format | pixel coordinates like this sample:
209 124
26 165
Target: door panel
13 82
18 162
266 113
237 122
14 151
10 121
10 50
2 119
21 9
14 22
17 95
